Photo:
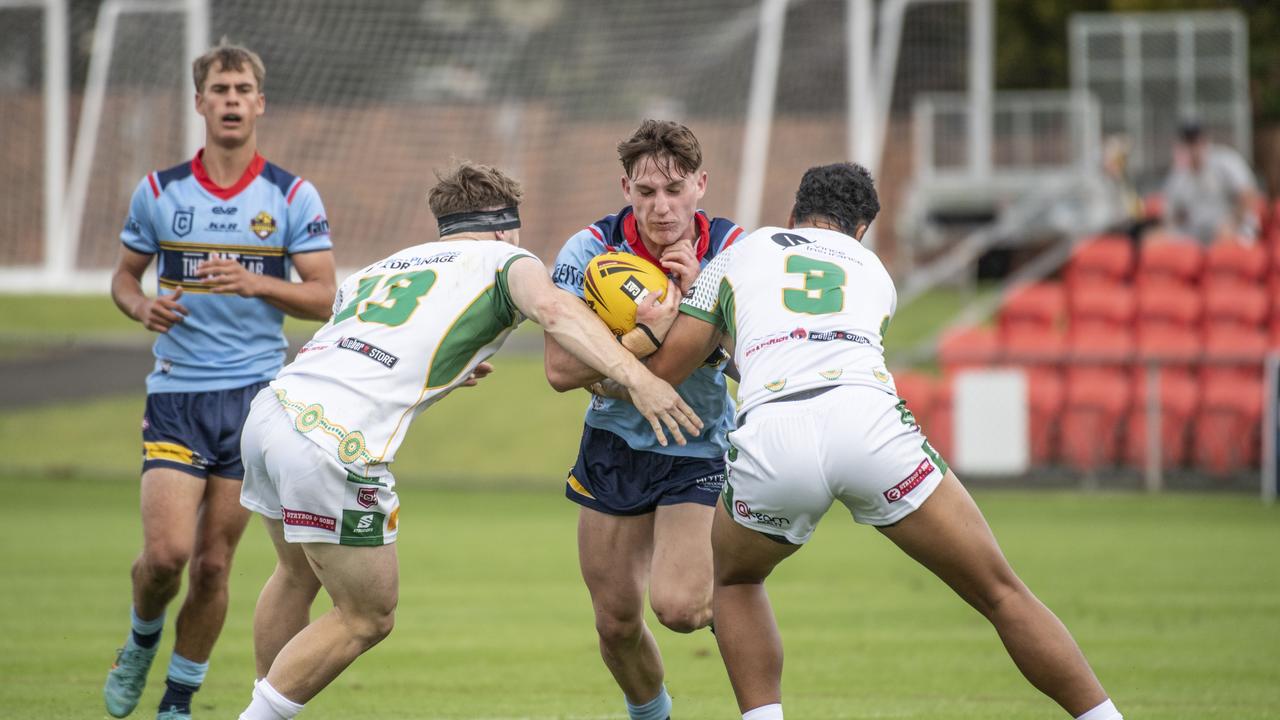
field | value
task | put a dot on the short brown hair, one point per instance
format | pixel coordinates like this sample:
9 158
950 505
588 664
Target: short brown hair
228 57
471 187
669 143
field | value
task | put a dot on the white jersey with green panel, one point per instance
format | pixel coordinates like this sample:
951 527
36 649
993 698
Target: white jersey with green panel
812 313
405 331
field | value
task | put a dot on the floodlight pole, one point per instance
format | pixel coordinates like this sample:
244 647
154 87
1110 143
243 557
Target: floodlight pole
197 41
764 87
862 112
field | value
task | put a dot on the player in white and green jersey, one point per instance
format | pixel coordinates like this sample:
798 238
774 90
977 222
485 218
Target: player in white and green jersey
805 309
317 444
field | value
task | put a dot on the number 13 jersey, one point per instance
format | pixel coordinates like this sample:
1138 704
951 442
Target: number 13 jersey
805 307
405 331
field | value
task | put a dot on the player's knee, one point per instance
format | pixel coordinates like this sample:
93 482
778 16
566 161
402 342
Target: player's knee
616 629
1001 594
164 564
209 572
371 626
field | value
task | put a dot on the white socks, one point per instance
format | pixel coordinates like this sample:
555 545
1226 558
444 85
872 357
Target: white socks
1106 710
768 712
269 705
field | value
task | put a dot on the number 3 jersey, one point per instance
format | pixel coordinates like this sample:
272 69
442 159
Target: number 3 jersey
405 331
805 308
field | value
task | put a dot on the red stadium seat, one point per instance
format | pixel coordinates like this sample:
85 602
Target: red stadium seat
1169 304
968 347
1231 304
1106 258
1096 401
1040 352
1098 395
1175 352
1102 307
1170 257
1038 305
1235 262
1153 206
1228 425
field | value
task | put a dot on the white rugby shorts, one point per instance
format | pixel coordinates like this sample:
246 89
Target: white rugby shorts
791 459
287 477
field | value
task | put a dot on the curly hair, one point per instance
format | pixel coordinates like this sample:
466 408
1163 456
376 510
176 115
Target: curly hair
471 187
843 193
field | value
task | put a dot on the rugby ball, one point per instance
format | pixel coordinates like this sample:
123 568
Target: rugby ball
615 283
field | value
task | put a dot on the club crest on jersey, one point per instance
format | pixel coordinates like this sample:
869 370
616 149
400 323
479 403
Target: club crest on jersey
182 221
367 496
263 225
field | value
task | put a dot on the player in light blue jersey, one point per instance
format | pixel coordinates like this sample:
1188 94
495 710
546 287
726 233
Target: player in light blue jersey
225 228
645 520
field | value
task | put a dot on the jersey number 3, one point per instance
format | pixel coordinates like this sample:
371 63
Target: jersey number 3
401 293
823 290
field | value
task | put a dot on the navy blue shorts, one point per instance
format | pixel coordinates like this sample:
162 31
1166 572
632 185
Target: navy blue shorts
614 479
196 432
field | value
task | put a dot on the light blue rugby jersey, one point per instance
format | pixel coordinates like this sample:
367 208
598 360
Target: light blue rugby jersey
180 215
705 390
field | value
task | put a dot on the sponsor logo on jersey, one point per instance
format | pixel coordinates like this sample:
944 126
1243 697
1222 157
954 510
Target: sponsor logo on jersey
759 345
306 519
367 497
881 374
566 274
182 221
373 352
829 335
789 240
805 334
312 346
263 225
744 511
222 210
917 476
319 225
403 263
225 227
131 225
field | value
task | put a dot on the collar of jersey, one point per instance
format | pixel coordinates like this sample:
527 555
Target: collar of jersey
632 235
202 176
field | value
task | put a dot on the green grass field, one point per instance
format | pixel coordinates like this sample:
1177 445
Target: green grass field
1176 598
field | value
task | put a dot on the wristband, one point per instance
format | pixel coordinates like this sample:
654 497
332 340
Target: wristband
652 338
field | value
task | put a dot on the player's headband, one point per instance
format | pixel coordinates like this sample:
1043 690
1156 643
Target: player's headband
507 218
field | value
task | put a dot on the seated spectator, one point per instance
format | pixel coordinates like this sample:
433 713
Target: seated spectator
1210 193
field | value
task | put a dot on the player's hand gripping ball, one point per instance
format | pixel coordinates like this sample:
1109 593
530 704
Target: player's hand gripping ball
615 283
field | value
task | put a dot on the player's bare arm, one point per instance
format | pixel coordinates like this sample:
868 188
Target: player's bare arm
683 351
311 299
156 314
580 333
566 372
